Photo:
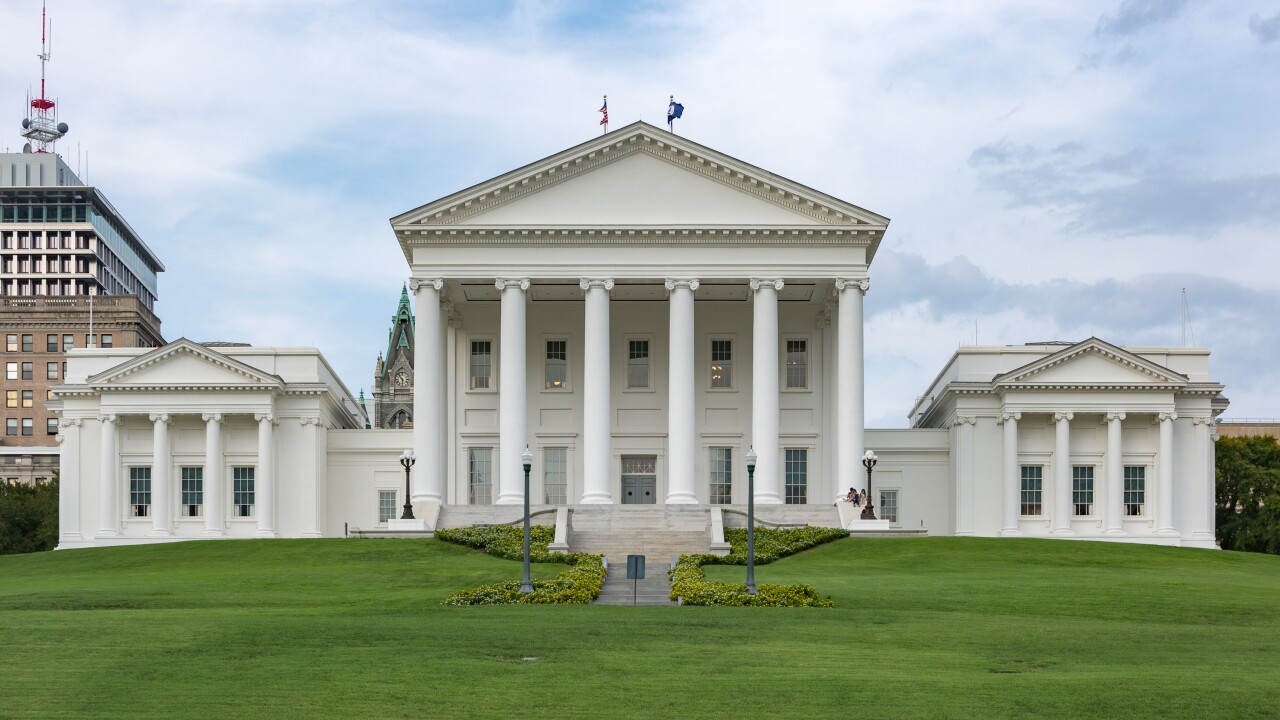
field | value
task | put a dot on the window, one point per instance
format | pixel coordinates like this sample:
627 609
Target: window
797 475
1082 490
28 343
68 342
889 506
28 427
192 492
11 343
557 364
1032 489
51 426
51 371
721 363
11 426
637 364
481 364
140 492
106 340
28 371
11 371
28 398
1135 490
481 477
11 398
386 506
721 476
51 343
797 364
555 475
242 492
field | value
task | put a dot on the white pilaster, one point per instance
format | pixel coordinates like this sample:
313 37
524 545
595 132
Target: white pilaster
1203 488
681 422
1062 506
428 396
265 479
214 515
964 473
1115 474
161 485
765 409
69 479
850 419
1164 513
1012 476
312 477
597 423
511 392
110 504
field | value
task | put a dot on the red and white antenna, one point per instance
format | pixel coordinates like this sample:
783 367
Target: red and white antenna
41 125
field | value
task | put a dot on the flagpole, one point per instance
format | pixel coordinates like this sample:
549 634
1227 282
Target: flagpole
604 122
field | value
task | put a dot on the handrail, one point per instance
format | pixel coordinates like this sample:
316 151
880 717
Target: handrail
764 522
519 519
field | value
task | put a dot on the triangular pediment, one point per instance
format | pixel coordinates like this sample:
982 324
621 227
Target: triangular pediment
1092 363
640 176
184 364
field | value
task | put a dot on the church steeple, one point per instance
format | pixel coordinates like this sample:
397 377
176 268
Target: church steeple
393 373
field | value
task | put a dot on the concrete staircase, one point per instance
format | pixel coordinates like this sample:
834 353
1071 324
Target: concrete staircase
654 589
658 547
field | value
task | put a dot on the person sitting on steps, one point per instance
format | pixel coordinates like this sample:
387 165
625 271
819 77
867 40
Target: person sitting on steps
852 497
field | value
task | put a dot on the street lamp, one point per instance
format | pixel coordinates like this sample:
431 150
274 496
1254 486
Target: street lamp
869 461
407 460
526 585
751 520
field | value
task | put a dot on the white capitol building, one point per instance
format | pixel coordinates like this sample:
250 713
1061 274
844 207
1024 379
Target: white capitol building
638 310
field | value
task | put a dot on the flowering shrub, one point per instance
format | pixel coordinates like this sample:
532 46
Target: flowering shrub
690 585
580 584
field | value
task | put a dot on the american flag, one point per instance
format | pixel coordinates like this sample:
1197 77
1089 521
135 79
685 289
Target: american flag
604 110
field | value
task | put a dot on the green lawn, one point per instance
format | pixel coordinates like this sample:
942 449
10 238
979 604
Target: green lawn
939 627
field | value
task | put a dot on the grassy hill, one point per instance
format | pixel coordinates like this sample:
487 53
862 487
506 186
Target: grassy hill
939 627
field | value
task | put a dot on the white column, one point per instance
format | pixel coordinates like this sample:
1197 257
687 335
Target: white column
1063 508
511 392
597 423
681 395
1164 513
311 487
1115 474
764 391
265 479
1203 487
69 478
110 504
214 515
849 381
1012 475
161 486
428 397
964 474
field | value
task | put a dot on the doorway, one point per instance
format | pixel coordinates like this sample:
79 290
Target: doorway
639 479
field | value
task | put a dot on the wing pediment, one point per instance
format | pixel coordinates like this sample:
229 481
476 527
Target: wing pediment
184 364
1092 363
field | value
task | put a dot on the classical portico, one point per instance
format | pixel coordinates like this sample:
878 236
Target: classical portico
595 293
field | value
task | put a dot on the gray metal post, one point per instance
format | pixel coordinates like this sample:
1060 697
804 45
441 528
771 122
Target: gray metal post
751 524
526 584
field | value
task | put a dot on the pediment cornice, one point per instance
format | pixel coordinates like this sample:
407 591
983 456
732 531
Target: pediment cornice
1155 376
117 378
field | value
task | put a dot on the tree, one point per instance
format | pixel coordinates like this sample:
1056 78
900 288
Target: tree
28 517
1248 471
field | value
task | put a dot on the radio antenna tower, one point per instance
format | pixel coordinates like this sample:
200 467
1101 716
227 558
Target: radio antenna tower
41 125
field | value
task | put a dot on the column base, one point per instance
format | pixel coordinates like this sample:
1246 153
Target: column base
768 499
105 534
426 498
1011 532
509 500
1168 532
1063 532
160 533
682 499
212 532
597 499
266 534
1114 531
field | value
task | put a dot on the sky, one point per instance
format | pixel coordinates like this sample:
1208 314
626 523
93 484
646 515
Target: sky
1053 170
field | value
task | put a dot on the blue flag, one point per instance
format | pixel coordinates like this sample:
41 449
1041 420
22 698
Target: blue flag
674 110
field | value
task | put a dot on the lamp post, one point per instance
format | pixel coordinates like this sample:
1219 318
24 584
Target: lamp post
869 461
751 520
407 460
526 584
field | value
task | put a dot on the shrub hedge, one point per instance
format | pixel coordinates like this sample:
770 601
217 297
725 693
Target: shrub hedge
580 584
690 585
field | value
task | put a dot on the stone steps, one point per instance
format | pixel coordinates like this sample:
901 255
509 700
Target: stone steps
654 589
656 546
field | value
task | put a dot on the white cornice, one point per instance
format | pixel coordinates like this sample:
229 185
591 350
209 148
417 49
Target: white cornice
111 378
503 236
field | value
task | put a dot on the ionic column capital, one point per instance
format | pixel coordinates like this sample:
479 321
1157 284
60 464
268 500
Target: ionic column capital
265 417
503 283
107 418
1164 416
1115 415
1007 415
776 283
310 421
436 283
862 284
588 283
673 283
215 418
1203 421
69 423
963 420
162 418
1060 416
